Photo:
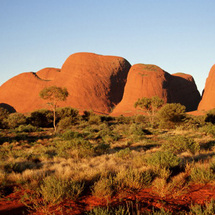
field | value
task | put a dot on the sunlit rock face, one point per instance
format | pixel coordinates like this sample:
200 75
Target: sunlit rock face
208 101
94 82
150 80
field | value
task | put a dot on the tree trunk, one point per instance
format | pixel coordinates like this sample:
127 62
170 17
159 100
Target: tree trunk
54 118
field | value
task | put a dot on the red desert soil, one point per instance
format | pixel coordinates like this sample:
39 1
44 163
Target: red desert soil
145 200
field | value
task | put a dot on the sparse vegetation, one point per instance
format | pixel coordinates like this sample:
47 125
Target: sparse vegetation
106 158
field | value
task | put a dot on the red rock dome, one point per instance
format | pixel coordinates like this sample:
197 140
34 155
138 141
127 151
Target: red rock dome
94 82
150 80
208 101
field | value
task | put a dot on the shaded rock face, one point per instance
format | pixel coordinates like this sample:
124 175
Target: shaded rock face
150 80
95 82
183 90
90 79
208 101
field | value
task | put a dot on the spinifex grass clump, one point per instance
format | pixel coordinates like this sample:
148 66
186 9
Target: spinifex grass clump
207 209
133 179
104 187
202 173
78 148
54 189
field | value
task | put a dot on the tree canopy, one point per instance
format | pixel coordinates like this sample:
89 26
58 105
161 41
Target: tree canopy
54 94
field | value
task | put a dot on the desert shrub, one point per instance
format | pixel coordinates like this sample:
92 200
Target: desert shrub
67 112
172 112
178 144
102 148
133 179
3 116
140 119
137 129
124 120
65 123
15 119
163 159
79 148
55 189
41 118
107 134
124 153
27 128
201 174
122 129
86 115
207 209
209 128
19 167
69 135
94 119
210 116
103 187
192 122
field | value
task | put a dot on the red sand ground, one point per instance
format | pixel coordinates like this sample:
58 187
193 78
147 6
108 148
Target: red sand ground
145 200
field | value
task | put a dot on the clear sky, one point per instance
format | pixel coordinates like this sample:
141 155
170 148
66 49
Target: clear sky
177 35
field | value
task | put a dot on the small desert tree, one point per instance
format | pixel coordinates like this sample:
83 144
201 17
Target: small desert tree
150 106
171 113
53 95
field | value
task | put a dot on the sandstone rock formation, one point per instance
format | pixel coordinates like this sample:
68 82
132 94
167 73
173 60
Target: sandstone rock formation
94 82
150 80
183 90
208 101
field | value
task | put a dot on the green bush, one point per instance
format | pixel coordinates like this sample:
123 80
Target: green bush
79 148
4 113
65 123
69 135
102 148
124 120
27 128
140 119
163 159
94 119
41 118
15 119
173 112
178 144
136 129
210 116
64 112
209 128
54 190
124 153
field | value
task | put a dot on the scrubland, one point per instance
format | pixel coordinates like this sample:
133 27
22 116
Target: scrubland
107 165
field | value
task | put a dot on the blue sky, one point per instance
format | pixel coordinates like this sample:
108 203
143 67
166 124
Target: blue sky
177 35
